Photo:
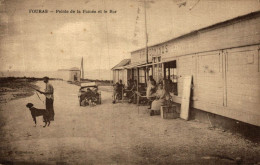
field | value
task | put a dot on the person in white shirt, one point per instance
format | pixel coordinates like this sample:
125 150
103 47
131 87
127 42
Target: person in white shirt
151 85
49 90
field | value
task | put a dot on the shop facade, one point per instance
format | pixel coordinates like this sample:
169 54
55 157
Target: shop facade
223 60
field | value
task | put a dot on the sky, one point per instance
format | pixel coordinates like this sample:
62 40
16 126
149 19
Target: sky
52 41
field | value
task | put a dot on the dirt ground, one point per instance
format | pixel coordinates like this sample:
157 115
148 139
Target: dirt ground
112 134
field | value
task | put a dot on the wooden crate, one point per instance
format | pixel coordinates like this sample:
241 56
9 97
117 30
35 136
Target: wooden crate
169 112
155 112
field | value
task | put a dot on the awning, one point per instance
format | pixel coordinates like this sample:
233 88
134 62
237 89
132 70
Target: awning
118 68
133 65
144 65
121 64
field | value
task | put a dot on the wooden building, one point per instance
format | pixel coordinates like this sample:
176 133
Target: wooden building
121 73
224 61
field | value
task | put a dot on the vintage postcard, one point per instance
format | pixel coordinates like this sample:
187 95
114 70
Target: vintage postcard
129 82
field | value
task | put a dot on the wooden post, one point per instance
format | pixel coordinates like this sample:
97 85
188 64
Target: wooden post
146 75
153 70
146 41
138 85
225 77
162 70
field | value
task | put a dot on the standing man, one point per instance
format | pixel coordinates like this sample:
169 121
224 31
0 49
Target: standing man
49 97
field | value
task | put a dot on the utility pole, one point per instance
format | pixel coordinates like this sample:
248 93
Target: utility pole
146 40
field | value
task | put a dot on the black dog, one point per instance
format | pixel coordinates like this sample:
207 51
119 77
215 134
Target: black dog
39 112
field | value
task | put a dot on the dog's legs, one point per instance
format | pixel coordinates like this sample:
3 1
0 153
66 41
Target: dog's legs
48 119
34 119
45 118
45 124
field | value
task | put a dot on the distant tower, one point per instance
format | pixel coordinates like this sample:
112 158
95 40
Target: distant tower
82 69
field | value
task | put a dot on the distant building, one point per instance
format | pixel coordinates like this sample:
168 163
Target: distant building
223 59
71 75
74 74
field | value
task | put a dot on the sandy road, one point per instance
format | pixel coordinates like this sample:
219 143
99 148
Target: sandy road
112 134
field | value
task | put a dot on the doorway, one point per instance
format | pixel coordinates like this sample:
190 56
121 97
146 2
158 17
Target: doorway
170 77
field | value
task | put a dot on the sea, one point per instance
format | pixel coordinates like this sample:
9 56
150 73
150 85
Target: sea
93 74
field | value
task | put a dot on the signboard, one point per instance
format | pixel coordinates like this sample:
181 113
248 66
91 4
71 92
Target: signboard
185 102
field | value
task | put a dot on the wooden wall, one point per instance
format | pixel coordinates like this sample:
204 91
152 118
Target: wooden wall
225 82
243 80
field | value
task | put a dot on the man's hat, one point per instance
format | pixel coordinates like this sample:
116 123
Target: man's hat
46 78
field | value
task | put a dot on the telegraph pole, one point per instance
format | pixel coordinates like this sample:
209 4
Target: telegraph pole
146 40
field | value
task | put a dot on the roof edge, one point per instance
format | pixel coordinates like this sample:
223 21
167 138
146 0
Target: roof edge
223 23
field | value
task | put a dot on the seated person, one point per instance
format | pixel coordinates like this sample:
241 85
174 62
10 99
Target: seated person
120 86
128 89
95 96
133 89
95 91
129 84
87 97
115 87
82 96
117 93
160 98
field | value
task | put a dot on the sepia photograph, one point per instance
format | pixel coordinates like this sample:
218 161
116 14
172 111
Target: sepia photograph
129 82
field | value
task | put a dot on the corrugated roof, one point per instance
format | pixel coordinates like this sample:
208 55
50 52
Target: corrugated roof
122 63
